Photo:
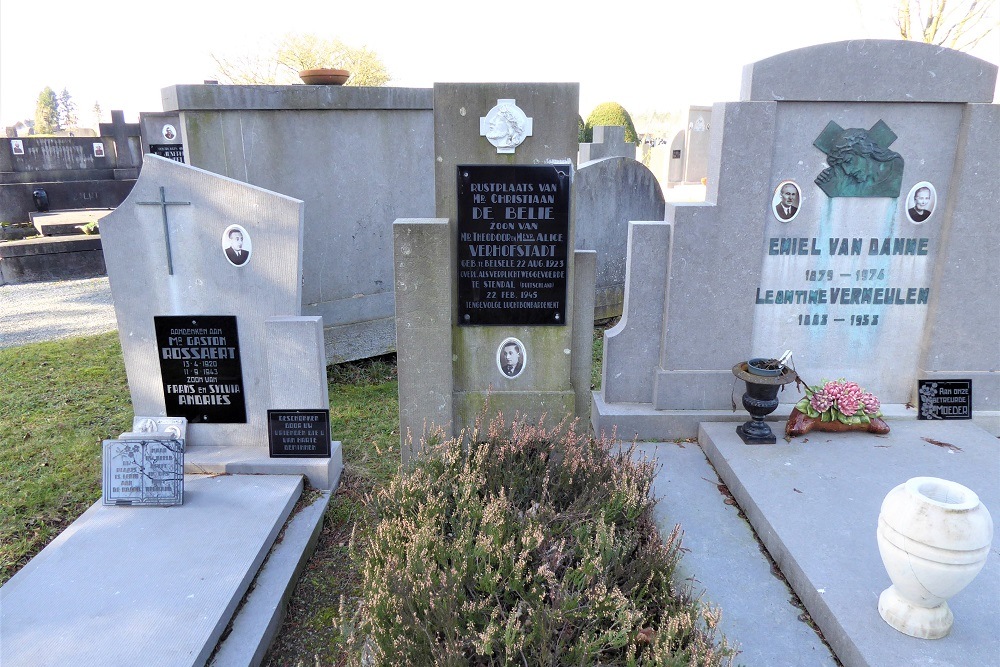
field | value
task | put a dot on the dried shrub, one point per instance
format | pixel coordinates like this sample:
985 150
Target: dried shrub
528 546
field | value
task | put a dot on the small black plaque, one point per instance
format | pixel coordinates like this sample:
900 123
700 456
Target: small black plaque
201 369
944 399
173 152
298 433
513 240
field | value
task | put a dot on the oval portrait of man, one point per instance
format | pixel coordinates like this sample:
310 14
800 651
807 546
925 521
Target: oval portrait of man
236 245
920 202
169 133
786 201
511 357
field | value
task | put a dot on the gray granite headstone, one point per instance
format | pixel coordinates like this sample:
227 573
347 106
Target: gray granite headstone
449 369
675 169
857 286
696 144
206 275
609 141
608 194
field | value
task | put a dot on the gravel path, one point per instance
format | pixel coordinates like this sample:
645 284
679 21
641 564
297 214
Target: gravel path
48 311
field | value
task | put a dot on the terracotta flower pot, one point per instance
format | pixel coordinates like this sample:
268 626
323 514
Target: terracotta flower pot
324 76
800 424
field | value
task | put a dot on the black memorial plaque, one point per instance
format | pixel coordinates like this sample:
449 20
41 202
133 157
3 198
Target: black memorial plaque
513 244
201 369
173 152
944 399
298 433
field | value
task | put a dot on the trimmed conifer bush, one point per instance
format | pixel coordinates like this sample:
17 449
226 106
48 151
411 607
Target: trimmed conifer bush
529 546
611 113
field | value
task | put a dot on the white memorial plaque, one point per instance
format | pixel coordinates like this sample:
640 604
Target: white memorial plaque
141 472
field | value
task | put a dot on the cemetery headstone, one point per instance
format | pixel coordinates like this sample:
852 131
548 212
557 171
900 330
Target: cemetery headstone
607 194
852 220
675 169
73 172
207 337
696 144
609 141
160 134
490 297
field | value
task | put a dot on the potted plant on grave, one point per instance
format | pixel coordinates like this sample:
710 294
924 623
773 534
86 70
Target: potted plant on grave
317 61
836 405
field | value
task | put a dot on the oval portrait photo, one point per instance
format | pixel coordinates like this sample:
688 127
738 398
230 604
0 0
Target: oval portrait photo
511 357
920 202
786 201
237 245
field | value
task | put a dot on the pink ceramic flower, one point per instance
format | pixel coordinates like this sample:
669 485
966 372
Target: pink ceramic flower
821 401
870 403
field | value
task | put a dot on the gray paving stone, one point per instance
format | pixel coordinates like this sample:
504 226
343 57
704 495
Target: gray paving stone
815 501
723 562
145 586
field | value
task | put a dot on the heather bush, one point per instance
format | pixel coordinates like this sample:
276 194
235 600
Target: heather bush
523 545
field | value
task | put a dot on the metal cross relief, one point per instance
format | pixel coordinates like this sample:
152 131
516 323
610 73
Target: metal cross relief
163 204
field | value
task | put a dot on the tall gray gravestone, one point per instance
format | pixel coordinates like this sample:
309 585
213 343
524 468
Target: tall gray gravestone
696 144
491 300
206 275
607 194
850 217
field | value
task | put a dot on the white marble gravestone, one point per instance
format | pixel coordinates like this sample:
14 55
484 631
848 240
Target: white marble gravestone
170 251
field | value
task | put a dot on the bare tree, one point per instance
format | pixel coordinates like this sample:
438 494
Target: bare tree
957 24
281 63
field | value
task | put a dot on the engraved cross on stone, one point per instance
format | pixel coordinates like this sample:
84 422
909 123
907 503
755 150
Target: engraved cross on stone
163 204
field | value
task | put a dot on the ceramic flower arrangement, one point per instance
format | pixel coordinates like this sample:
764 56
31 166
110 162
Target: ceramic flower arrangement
837 405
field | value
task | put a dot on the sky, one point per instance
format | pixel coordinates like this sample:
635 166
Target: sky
645 54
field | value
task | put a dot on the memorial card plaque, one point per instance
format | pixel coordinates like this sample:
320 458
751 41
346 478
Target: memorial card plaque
298 433
200 368
944 399
173 152
143 472
513 238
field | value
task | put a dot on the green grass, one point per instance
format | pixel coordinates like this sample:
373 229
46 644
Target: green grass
59 400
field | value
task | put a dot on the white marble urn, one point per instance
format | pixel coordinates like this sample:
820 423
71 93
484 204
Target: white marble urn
934 536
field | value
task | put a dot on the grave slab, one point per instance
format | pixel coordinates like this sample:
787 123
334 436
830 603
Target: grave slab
150 586
40 259
259 619
723 563
814 503
64 223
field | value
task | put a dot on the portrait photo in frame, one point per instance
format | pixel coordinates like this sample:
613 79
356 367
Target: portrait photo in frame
921 201
512 358
237 245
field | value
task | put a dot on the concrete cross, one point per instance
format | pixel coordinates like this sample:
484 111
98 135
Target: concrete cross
163 204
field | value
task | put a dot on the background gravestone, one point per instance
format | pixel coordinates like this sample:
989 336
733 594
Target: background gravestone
160 134
853 285
447 369
216 340
607 194
696 144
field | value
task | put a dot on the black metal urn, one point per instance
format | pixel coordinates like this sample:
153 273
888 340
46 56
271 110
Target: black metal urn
760 400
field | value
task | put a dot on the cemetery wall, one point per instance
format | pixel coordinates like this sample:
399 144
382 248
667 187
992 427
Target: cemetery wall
358 157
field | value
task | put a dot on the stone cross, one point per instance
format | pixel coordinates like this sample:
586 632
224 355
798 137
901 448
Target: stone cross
163 204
